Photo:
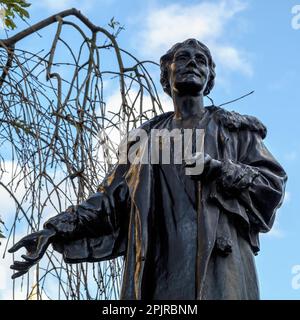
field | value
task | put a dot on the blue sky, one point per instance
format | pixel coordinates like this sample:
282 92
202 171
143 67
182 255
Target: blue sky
255 48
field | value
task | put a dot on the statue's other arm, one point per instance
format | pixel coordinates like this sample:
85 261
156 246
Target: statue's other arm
257 180
251 186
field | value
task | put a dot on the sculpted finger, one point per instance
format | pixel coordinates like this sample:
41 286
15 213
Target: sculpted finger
16 246
18 274
41 249
21 266
32 259
24 242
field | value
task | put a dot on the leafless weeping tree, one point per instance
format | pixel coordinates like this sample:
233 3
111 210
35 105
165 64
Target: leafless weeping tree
60 125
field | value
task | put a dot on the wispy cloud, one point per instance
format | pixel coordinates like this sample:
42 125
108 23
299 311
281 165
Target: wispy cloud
232 59
207 21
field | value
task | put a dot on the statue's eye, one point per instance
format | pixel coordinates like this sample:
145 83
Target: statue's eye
180 58
200 59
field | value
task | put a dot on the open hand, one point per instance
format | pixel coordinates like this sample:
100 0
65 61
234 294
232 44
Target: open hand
36 245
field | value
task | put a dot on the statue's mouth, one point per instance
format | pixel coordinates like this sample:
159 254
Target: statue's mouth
192 72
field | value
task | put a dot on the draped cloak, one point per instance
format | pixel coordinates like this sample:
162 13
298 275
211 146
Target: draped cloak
149 214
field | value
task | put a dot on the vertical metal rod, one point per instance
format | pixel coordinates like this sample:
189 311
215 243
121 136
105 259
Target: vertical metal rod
199 209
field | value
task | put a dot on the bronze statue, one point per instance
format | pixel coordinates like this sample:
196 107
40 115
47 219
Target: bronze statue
183 237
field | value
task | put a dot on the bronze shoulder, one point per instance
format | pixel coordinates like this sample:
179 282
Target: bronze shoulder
235 121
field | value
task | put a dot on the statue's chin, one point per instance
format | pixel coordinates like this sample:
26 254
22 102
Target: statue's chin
189 87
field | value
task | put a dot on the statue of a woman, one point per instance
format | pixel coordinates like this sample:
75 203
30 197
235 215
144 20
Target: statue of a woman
183 237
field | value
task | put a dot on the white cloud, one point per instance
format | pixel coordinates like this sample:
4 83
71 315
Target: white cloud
275 232
113 104
8 205
232 59
206 21
6 283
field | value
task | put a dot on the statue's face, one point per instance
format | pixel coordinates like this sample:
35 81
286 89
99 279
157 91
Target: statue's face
189 71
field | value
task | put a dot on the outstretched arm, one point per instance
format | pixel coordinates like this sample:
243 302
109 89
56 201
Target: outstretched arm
99 215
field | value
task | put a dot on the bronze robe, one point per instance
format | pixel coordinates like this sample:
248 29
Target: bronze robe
131 211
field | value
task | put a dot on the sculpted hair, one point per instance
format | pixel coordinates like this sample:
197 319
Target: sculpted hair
167 58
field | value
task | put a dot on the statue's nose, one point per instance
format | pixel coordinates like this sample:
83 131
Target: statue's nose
192 62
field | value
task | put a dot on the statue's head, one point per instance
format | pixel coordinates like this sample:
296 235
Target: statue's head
187 67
